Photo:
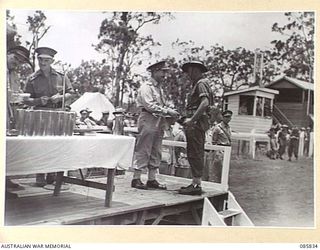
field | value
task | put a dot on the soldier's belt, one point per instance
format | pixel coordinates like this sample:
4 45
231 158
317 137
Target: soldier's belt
190 112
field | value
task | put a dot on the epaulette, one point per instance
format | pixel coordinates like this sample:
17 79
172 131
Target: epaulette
34 75
57 72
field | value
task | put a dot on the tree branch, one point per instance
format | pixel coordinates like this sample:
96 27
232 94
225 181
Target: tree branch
45 31
146 21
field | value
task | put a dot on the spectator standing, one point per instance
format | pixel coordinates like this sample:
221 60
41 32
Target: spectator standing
307 142
293 143
283 140
15 56
274 146
302 137
221 136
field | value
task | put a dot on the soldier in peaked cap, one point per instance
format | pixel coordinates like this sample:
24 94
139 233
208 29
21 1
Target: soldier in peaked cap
16 56
46 92
46 84
151 125
45 52
196 123
21 53
221 135
158 66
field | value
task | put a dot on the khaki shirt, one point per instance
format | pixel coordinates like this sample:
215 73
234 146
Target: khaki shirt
199 90
150 97
221 134
38 85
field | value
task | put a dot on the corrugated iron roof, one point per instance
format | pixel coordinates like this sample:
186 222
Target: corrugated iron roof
298 83
234 92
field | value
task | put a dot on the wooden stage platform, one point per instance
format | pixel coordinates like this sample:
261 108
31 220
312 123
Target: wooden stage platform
85 206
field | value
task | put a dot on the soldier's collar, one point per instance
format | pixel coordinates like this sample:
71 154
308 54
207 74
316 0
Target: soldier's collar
52 72
153 82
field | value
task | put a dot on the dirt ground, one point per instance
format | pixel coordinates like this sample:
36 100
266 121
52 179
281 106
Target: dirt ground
275 193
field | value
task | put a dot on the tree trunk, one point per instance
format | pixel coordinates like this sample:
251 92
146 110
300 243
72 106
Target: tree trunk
118 76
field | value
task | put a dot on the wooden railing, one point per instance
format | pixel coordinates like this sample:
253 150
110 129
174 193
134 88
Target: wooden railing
252 137
223 185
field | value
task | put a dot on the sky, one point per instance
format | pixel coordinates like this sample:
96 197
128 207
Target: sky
72 33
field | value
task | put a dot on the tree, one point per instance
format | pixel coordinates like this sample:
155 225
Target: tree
124 47
91 76
228 69
296 50
177 84
271 67
38 28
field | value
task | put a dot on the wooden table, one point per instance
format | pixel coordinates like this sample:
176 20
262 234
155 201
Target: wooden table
44 154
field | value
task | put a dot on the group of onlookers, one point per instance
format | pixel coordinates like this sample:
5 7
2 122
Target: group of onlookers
86 119
283 138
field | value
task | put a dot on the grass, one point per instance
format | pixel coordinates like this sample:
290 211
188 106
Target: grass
275 193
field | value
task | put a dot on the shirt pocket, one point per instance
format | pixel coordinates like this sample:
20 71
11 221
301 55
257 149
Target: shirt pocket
156 96
40 89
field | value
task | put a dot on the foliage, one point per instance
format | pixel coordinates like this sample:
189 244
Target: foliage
296 50
124 48
177 84
228 69
91 76
38 28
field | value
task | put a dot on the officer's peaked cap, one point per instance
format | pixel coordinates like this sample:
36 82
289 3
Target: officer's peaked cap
21 52
227 113
158 66
45 52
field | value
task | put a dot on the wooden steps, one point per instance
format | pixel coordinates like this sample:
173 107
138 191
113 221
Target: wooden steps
230 215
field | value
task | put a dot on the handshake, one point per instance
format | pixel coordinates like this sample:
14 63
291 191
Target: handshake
173 113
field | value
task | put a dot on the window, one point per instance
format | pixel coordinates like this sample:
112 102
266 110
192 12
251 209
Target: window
267 107
263 106
259 106
246 105
225 103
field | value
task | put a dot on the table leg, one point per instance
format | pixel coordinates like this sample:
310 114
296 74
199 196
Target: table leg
59 179
110 183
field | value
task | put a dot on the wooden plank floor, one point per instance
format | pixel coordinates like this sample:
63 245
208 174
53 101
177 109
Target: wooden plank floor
38 206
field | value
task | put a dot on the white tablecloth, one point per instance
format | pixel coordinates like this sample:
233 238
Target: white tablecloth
30 155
